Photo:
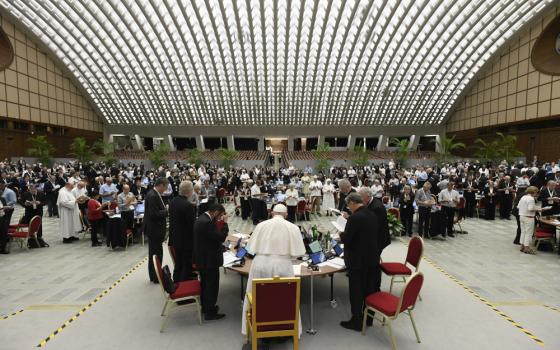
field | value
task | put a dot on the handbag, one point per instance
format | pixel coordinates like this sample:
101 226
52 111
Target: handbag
168 284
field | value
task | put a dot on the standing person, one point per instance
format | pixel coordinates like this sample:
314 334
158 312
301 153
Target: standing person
505 188
306 181
345 189
208 257
406 209
275 242
527 209
470 196
33 202
4 223
181 225
424 201
95 218
155 214
328 197
292 198
245 200
361 256
69 213
489 201
549 196
315 193
449 199
51 193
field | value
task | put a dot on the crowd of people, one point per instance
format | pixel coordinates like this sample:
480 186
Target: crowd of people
191 198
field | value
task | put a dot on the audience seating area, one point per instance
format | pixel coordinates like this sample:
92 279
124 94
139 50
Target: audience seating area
182 155
348 155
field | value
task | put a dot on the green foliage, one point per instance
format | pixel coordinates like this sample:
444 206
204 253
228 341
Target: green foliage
507 147
227 156
361 156
395 225
321 154
401 155
81 150
159 155
40 148
107 150
446 146
485 151
194 156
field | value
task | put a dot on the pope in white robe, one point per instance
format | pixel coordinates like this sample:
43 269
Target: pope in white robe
275 242
70 223
328 196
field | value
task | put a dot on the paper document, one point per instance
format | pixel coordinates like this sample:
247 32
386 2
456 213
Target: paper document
229 258
339 224
115 216
338 261
240 235
297 270
203 201
336 211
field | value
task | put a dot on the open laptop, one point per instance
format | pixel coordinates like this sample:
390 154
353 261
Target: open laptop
139 209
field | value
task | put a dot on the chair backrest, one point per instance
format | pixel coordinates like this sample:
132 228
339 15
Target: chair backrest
461 204
415 251
159 273
410 292
385 199
172 253
301 206
34 226
276 299
221 193
394 211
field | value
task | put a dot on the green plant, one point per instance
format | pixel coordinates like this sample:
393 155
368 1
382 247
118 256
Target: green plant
321 154
485 151
395 225
361 157
507 147
402 151
80 150
107 150
159 155
194 156
227 156
40 148
446 146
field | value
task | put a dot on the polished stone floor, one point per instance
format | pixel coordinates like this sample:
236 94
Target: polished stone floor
466 279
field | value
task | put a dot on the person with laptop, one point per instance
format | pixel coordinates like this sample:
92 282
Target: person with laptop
275 243
361 256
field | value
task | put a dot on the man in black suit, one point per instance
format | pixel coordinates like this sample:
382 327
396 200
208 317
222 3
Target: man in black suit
549 197
181 225
33 202
208 256
155 214
345 188
51 192
361 256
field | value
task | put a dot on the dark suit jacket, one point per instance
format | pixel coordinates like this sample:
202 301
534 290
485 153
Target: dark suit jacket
383 235
208 241
544 195
29 211
154 216
181 223
360 243
342 203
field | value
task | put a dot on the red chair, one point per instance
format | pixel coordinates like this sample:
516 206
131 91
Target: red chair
390 306
459 215
273 309
544 233
302 208
413 257
186 290
22 232
395 212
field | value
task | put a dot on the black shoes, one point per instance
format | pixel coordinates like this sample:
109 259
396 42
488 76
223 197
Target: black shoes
451 235
4 251
96 244
74 238
213 317
67 240
352 325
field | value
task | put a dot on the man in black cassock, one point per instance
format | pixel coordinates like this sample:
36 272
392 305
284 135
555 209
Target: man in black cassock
33 202
155 214
181 225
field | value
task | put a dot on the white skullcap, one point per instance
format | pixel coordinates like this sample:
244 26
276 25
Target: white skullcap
280 208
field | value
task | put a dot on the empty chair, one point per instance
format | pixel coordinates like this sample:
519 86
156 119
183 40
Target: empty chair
413 258
186 290
273 309
389 306
23 232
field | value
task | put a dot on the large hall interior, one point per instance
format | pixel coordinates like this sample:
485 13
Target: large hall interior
268 174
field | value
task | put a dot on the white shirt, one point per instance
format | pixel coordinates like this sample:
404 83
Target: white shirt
255 190
276 236
292 196
315 187
77 192
450 197
527 206
377 191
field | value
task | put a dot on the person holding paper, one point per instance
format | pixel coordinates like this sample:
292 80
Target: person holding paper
275 242
328 197
527 209
361 256
33 202
549 197
292 197
70 223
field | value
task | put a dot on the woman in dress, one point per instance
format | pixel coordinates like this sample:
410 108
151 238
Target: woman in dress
328 197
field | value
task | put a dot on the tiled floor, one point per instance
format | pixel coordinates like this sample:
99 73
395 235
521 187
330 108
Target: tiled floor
52 284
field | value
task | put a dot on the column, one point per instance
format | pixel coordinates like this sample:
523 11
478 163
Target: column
291 140
261 144
413 142
351 142
137 144
438 140
169 140
199 142
230 142
320 140
382 143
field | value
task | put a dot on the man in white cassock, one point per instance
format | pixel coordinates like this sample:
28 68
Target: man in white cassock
275 242
69 214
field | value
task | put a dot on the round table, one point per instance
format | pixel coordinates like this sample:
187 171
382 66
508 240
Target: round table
304 273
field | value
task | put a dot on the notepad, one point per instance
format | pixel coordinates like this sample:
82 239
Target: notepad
339 224
229 258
